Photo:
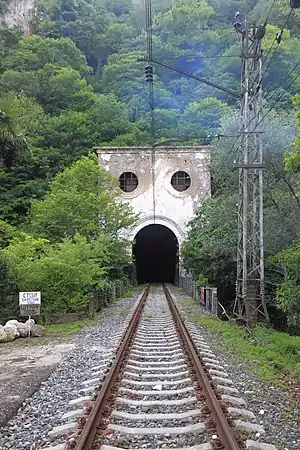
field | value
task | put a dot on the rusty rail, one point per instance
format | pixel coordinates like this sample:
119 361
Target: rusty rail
89 431
224 430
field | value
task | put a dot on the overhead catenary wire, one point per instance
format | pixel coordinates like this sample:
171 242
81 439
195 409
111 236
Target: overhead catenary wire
274 93
269 12
278 40
268 100
277 100
149 32
200 57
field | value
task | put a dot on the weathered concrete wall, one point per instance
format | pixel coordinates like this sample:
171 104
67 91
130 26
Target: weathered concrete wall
17 14
172 208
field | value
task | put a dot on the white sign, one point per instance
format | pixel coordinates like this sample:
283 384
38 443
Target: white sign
29 298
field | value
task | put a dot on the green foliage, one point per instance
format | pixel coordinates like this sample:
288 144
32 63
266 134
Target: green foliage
272 355
201 281
288 292
65 329
210 250
292 159
288 260
108 118
78 82
74 248
64 88
123 74
63 272
32 53
12 138
82 199
7 286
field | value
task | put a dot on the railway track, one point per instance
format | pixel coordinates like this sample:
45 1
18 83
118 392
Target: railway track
164 389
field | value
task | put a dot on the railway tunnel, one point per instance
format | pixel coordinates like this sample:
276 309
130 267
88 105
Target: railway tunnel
156 255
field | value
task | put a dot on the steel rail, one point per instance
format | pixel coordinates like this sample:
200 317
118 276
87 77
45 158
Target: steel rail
224 430
89 431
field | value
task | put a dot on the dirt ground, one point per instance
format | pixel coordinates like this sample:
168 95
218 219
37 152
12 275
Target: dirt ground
24 364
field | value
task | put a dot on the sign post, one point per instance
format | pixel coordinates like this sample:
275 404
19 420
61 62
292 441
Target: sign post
30 305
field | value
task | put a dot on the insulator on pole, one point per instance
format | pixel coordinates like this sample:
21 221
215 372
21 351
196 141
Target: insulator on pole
295 4
260 32
238 26
149 73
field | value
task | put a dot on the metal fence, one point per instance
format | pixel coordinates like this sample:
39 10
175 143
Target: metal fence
206 296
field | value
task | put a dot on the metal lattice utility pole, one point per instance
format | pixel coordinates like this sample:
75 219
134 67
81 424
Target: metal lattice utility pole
250 298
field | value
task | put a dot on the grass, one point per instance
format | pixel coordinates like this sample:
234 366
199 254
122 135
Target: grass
54 333
272 355
62 331
147 317
65 329
130 291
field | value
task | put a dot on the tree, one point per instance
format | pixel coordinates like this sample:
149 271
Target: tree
210 249
211 246
82 199
32 53
288 292
12 139
202 117
9 39
64 272
21 82
95 27
108 118
287 261
64 88
186 23
292 159
123 75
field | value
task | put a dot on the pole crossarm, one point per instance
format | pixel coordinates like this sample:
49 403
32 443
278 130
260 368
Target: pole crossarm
194 77
250 295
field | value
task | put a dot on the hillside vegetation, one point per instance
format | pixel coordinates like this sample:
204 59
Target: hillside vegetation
77 82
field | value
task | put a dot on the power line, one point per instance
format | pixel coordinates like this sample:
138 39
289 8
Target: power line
200 57
269 13
268 100
149 71
277 100
277 39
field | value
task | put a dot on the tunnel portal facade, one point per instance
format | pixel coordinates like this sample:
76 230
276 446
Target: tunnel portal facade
164 187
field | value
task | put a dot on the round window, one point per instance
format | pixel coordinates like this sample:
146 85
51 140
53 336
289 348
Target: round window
180 181
128 182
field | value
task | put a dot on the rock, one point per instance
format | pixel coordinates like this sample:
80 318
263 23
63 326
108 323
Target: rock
22 329
2 334
11 332
30 321
12 322
37 330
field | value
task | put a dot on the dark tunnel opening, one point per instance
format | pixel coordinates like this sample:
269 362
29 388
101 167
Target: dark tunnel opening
156 255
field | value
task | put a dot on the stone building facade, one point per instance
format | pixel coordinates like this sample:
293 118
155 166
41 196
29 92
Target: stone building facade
164 186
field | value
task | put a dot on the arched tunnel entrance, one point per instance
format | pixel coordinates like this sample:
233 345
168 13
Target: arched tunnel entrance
156 255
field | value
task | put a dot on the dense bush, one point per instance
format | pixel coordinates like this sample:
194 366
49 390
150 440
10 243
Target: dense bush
71 247
76 83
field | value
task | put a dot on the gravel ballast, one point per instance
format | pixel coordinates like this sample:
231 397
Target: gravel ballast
43 410
149 422
272 405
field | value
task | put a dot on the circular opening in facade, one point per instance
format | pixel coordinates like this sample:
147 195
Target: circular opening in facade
128 181
181 181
